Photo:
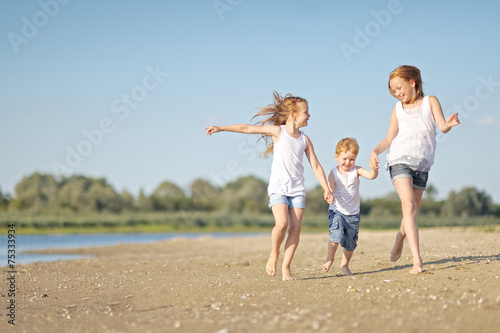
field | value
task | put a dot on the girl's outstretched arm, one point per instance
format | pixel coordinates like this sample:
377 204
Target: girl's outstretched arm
386 143
331 184
271 130
318 170
443 125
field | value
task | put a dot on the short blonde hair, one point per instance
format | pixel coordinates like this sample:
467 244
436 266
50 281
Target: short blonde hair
347 144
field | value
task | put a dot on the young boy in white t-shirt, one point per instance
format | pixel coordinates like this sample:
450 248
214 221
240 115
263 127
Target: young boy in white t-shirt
344 212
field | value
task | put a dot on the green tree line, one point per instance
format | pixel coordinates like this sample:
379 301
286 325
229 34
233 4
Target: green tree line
44 193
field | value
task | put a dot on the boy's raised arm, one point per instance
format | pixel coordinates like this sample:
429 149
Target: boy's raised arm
368 174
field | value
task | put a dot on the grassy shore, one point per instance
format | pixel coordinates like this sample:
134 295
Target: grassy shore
30 223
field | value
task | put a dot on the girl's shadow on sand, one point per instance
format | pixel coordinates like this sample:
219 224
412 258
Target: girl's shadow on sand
452 263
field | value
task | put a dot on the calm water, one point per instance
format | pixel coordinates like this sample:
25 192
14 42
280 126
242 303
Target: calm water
41 242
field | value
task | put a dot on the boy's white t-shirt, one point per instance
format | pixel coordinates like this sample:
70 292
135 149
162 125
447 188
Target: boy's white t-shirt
346 192
415 143
287 171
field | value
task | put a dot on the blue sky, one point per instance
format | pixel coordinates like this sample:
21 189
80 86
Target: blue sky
124 89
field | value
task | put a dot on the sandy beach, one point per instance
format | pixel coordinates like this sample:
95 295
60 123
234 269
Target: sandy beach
220 285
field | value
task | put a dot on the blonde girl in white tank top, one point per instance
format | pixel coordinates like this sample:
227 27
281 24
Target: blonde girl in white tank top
280 128
411 140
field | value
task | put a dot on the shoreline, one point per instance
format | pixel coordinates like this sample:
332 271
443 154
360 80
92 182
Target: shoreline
220 285
53 247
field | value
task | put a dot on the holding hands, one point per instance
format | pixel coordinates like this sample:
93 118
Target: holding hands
374 161
328 196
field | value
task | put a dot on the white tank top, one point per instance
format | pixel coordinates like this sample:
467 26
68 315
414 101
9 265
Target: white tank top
287 171
346 192
415 143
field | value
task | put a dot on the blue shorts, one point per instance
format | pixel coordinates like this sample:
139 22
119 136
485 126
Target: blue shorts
403 171
344 229
298 201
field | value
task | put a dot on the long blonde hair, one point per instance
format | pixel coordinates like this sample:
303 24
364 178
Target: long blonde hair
408 73
277 113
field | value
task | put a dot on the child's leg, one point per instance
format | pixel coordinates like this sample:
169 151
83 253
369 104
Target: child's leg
410 201
294 225
280 213
332 248
346 258
397 250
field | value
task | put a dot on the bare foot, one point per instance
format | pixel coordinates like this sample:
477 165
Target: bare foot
287 275
397 250
418 267
271 265
346 270
417 270
326 266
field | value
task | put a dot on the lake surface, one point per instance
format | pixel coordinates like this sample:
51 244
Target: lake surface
42 242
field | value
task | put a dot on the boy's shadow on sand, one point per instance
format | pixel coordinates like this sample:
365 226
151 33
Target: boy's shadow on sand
454 262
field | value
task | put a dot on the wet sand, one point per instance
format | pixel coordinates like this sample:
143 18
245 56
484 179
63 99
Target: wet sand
220 285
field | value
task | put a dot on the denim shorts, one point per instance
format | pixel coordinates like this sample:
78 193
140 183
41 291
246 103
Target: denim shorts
403 171
298 201
344 229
